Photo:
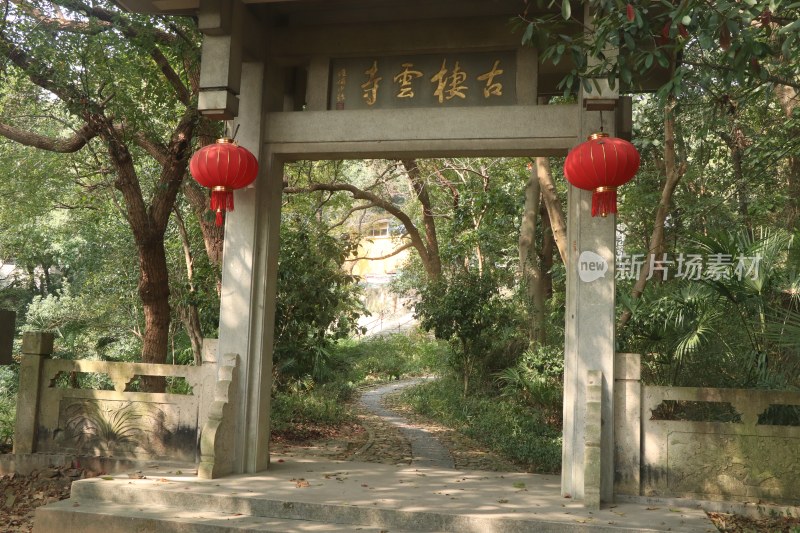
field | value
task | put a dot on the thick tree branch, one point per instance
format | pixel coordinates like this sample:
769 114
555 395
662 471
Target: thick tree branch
674 172
413 233
132 33
113 19
554 210
213 235
393 253
173 170
65 145
412 169
361 207
156 150
42 76
62 23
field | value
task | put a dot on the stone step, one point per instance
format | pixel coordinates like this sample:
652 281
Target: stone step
105 517
182 505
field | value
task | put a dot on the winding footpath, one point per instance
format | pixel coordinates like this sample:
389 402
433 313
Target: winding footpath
426 450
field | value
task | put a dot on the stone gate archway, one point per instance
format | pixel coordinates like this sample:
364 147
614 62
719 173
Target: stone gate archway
317 79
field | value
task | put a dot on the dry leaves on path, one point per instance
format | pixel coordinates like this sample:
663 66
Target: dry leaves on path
20 495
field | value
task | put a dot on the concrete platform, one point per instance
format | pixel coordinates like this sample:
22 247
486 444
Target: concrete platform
306 494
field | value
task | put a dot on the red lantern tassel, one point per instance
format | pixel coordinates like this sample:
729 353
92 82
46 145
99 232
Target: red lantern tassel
221 201
604 201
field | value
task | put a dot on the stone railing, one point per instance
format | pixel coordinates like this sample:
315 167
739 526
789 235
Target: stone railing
702 443
54 417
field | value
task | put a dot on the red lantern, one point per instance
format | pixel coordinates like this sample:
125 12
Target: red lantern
602 164
223 167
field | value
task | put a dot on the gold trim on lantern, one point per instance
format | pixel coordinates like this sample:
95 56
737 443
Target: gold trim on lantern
605 189
220 188
598 135
225 140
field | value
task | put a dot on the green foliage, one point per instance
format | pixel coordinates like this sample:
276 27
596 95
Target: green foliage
748 43
317 301
468 310
726 332
8 406
385 357
305 403
537 381
504 425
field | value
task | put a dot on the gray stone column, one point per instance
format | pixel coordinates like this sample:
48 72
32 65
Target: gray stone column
589 329
247 306
36 347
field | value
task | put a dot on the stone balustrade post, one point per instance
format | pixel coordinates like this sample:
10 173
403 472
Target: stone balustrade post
592 453
627 423
36 347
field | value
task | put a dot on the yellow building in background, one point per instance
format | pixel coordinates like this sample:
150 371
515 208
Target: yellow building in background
376 266
373 261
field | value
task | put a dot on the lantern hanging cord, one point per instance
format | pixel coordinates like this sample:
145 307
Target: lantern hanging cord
601 121
229 127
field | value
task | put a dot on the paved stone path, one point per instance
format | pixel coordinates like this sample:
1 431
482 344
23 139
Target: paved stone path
426 450
384 433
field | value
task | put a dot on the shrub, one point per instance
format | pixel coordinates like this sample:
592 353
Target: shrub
304 403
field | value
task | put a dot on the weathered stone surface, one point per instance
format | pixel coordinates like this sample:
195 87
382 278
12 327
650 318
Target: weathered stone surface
37 343
118 423
720 460
627 424
734 466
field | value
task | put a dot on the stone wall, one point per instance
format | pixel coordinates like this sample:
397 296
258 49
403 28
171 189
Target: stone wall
713 444
112 418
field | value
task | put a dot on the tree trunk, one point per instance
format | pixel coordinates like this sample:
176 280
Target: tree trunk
554 209
213 235
189 314
674 171
154 293
737 142
528 259
546 253
190 318
788 98
431 240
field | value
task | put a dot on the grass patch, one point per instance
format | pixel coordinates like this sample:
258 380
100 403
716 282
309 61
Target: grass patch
386 357
321 406
502 424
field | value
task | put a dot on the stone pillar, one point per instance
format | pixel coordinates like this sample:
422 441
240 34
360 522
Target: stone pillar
318 81
589 329
249 277
36 347
627 423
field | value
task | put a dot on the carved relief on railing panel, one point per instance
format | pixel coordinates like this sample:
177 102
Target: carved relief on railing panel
721 444
117 428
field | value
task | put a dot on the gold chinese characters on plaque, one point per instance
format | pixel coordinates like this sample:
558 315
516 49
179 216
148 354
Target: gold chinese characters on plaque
424 81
